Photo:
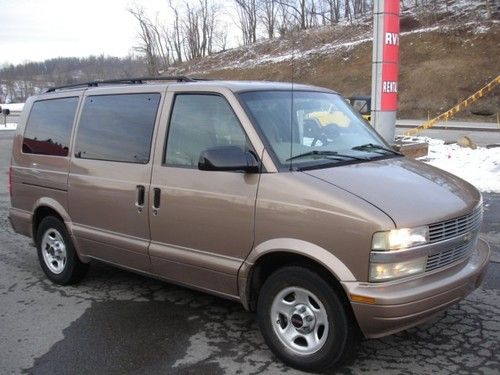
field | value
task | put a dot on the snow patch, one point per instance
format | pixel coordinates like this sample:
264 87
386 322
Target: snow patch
13 107
480 167
9 126
481 29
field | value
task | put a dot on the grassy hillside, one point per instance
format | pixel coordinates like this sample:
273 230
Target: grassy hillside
440 65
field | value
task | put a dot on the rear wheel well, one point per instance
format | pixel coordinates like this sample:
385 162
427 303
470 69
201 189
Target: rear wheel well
41 213
270 263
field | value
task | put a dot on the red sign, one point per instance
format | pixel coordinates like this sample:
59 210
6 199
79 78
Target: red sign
390 56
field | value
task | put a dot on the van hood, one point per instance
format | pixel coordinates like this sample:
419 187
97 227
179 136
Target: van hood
410 192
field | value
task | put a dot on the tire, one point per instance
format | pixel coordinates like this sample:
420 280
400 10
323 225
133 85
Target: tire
57 254
285 304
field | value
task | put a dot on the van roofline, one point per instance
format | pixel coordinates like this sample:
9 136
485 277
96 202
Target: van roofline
233 85
124 81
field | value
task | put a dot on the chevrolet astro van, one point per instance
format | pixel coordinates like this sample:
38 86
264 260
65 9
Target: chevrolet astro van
275 195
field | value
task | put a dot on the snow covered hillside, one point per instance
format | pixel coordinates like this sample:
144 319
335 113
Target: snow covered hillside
445 57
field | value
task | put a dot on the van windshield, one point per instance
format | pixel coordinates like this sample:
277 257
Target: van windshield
308 129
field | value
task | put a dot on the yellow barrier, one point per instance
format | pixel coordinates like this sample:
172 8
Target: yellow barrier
459 107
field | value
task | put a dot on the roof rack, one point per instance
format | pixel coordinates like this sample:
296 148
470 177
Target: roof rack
125 81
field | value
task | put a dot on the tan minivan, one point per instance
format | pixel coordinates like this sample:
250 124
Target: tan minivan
275 195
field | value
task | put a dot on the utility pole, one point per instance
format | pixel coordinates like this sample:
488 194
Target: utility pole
385 67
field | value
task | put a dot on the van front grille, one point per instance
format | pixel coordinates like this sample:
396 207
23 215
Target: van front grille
455 227
450 256
466 226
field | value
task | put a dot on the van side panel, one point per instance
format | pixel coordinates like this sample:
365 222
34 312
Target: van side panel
36 176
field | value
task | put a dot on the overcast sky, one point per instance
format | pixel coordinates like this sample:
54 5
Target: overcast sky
36 30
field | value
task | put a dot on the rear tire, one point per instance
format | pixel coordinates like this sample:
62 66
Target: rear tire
304 321
57 254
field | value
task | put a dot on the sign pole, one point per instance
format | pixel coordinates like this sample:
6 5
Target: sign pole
385 67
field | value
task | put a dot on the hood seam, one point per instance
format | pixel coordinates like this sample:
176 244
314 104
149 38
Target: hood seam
350 192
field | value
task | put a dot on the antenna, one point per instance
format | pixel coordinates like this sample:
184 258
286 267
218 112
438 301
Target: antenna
291 101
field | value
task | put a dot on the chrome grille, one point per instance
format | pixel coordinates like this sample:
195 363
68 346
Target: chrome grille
466 226
456 227
450 256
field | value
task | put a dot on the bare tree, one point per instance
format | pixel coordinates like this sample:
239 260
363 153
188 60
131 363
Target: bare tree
147 38
302 12
175 38
347 10
283 18
208 12
298 12
488 9
199 28
268 9
192 33
220 38
334 10
247 14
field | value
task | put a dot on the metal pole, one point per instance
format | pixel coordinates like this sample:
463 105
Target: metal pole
385 66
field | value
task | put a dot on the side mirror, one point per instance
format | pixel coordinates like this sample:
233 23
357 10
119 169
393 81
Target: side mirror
228 158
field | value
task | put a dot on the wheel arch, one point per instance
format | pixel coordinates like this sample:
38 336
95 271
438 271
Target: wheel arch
50 207
44 207
274 254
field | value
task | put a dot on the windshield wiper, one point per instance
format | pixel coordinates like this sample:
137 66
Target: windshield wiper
375 148
326 155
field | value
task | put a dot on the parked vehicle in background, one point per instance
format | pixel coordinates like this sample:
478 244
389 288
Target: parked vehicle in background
276 196
362 104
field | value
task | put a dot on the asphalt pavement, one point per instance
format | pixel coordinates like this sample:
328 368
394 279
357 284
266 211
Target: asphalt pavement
116 322
481 133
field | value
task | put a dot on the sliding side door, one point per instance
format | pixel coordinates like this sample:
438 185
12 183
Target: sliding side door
110 175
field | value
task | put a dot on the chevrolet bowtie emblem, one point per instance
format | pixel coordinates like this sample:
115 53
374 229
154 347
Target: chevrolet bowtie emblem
467 237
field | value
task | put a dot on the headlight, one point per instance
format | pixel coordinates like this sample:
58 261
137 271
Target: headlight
400 238
390 271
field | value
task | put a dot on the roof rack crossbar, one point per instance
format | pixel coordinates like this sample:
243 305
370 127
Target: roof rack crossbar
124 81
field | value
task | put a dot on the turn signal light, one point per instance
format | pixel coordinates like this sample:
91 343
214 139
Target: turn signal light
362 299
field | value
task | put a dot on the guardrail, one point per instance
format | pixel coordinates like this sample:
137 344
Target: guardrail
457 108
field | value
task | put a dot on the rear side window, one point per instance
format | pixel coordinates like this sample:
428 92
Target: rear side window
48 130
117 127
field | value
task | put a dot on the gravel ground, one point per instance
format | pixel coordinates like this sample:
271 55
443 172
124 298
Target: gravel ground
116 322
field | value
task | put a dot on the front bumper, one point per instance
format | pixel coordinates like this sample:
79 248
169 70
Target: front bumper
405 303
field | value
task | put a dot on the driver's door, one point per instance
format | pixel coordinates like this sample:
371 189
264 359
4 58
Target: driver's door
202 222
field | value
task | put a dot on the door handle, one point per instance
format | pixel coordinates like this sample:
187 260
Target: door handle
140 196
156 199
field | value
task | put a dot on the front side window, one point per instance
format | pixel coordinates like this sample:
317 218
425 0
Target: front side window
117 127
199 122
48 130
312 129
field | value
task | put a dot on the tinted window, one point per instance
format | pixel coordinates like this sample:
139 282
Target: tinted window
49 127
117 127
199 122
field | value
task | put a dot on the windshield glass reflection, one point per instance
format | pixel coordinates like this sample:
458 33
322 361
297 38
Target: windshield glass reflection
309 128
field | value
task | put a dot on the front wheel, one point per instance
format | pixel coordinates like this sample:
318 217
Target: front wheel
57 254
303 320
